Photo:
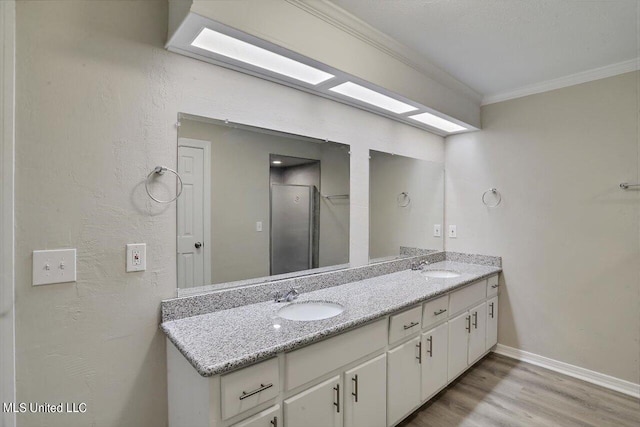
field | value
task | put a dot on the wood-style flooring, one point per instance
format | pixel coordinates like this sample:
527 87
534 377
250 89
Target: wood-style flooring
499 391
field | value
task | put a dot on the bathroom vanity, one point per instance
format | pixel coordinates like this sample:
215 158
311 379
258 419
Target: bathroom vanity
400 338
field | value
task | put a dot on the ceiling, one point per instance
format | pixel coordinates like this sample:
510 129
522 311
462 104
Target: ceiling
501 46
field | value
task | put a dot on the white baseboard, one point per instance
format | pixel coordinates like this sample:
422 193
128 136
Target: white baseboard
587 375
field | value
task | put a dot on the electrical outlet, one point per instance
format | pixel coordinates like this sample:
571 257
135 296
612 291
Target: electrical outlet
453 231
54 266
437 230
136 257
259 226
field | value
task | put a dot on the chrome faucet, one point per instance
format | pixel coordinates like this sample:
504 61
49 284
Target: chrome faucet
287 297
419 265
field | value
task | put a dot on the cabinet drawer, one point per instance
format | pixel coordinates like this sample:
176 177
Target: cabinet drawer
245 388
435 311
404 324
268 418
492 286
316 360
466 297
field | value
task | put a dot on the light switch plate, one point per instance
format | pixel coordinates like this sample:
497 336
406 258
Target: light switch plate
54 266
453 231
437 230
136 257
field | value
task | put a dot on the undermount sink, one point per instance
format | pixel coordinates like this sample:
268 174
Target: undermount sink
440 274
310 310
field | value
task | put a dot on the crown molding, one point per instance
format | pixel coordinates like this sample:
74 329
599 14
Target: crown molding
570 80
343 20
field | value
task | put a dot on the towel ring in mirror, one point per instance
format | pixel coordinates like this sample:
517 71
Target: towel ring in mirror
495 192
403 199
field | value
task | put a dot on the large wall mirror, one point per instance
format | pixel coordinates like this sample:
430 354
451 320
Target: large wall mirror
406 205
258 204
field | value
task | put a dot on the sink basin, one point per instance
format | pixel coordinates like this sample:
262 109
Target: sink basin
310 310
440 274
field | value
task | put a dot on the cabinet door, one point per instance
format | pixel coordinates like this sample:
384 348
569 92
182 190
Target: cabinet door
459 329
492 323
478 336
319 406
434 360
403 380
365 394
271 417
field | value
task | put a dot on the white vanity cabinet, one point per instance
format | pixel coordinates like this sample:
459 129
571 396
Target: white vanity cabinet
371 376
365 394
435 344
319 406
492 322
271 417
468 331
403 380
478 334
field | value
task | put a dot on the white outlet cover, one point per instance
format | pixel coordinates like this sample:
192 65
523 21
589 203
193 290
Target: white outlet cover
136 257
453 231
54 266
437 230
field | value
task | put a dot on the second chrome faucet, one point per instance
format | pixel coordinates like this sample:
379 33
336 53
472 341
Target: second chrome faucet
286 297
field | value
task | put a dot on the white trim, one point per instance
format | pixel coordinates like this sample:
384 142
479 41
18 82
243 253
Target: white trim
345 21
570 80
206 215
7 145
584 374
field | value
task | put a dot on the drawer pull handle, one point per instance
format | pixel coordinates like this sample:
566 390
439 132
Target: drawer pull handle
491 312
439 312
411 325
495 286
355 387
475 320
274 422
419 357
337 402
468 327
263 387
430 351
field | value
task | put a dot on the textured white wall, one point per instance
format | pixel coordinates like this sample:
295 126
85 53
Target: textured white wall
97 100
569 237
7 311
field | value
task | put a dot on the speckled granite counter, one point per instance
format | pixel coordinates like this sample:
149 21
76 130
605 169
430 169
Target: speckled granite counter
224 340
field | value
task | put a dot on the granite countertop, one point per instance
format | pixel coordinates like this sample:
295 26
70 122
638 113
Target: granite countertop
221 341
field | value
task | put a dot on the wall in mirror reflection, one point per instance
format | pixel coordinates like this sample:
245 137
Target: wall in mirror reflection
258 204
406 201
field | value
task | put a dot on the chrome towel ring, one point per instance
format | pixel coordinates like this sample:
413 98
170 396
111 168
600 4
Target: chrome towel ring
403 199
160 170
496 193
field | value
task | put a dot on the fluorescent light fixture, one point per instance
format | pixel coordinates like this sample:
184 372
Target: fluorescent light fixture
372 97
437 122
233 48
277 162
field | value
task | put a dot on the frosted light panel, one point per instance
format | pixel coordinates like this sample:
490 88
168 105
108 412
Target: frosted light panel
230 47
437 122
372 97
